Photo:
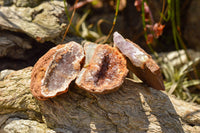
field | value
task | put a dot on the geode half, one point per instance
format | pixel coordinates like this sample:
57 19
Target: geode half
54 71
104 71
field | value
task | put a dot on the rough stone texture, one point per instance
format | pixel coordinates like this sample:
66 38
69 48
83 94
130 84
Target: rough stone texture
13 46
16 125
133 108
45 22
26 3
191 26
15 94
4 73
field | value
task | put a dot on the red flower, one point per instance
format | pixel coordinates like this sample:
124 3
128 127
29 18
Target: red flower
149 38
138 4
158 29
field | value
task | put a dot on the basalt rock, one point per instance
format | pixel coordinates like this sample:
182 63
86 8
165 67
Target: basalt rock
141 64
54 71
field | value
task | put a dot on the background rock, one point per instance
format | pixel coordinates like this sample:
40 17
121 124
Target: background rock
16 57
45 22
27 3
21 3
4 73
6 2
13 46
134 107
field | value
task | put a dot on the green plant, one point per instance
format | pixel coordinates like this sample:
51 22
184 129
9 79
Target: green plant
177 82
114 21
69 19
170 12
80 27
176 79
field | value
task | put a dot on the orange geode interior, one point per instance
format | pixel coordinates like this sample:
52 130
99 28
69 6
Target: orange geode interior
104 70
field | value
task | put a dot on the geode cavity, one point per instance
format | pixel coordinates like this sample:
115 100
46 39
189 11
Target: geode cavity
104 70
54 71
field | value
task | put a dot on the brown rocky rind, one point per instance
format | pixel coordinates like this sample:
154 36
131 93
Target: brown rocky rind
104 71
141 64
55 70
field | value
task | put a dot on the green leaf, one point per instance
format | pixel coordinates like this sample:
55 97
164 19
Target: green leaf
187 84
187 67
80 22
172 89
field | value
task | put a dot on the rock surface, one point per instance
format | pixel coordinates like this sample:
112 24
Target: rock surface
133 108
14 125
26 3
21 3
45 22
4 73
13 46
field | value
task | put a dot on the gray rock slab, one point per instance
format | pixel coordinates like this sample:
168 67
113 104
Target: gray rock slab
133 108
